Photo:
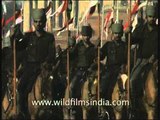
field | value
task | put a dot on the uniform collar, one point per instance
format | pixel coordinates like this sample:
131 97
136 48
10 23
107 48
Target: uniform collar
41 34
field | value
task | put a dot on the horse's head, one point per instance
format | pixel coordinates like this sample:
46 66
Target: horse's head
47 77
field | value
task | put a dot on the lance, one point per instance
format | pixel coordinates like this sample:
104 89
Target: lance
14 67
98 59
67 16
117 13
129 50
135 49
102 26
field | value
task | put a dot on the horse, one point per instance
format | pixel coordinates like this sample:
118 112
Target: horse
150 91
147 98
8 111
120 93
7 102
39 92
89 92
44 91
67 109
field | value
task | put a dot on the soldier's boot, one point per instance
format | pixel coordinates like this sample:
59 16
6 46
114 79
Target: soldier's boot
133 107
23 106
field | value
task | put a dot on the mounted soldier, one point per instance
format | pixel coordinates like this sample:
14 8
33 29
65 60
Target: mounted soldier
84 54
116 52
146 36
39 52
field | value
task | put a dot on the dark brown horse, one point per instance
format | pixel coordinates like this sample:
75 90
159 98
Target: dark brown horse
42 91
7 103
8 100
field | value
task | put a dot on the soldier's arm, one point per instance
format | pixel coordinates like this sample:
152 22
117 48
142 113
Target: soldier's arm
73 50
103 51
50 61
21 40
136 35
51 51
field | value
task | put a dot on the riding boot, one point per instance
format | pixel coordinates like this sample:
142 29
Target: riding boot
133 107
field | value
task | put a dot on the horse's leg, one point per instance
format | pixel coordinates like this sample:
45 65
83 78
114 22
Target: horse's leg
115 96
151 95
5 104
66 108
84 113
32 109
118 114
7 107
85 97
34 95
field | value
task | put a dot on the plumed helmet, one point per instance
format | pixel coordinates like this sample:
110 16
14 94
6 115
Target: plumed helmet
151 10
117 28
86 30
39 14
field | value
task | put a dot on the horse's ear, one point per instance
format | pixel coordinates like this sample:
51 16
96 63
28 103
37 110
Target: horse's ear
124 68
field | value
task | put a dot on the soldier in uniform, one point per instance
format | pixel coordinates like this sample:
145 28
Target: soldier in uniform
39 50
146 36
84 54
116 53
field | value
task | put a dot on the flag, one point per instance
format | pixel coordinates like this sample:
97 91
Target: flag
108 18
134 15
90 10
142 5
10 17
135 8
49 9
61 8
107 21
68 24
4 11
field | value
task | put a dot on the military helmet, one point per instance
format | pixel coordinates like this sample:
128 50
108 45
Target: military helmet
71 42
151 10
39 14
86 30
117 28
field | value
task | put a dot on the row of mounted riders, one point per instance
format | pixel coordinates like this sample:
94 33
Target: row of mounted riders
53 85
